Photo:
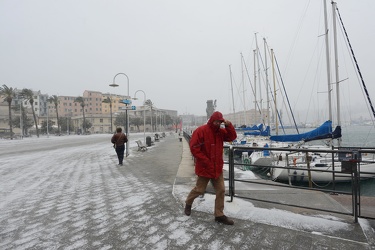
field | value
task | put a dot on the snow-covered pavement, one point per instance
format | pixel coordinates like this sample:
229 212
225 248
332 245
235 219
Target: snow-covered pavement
68 193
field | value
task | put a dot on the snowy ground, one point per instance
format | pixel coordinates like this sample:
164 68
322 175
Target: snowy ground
55 192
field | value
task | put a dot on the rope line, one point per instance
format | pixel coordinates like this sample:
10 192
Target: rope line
356 64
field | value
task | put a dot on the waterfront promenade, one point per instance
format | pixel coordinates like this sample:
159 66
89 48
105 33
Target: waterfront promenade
69 193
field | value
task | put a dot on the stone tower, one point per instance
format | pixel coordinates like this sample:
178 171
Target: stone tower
211 106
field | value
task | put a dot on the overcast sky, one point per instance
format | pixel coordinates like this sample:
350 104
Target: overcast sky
179 52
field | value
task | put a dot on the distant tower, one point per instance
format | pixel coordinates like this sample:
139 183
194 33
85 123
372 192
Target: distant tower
211 106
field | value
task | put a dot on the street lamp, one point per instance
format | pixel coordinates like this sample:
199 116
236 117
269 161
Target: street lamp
126 110
68 121
21 120
47 118
144 115
110 107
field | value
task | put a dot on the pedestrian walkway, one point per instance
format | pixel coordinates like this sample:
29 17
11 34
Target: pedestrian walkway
86 201
325 235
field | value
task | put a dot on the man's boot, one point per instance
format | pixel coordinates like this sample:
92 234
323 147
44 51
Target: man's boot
225 220
187 209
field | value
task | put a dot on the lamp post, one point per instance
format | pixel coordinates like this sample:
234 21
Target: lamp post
126 110
21 120
110 110
68 121
47 118
144 115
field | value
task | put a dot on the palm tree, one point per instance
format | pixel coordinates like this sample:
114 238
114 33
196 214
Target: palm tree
29 96
109 100
81 101
149 103
55 100
8 94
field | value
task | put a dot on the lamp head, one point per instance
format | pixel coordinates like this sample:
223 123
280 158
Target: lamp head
113 85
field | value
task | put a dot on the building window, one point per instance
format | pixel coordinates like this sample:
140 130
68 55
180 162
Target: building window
101 120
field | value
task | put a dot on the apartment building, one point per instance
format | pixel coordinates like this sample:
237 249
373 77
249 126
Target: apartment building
248 117
97 112
117 104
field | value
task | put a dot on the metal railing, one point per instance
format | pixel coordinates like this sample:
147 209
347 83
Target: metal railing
336 168
351 167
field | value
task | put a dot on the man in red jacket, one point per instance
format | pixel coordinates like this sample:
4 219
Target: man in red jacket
206 145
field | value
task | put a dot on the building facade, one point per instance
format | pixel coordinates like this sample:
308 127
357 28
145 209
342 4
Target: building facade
97 112
248 117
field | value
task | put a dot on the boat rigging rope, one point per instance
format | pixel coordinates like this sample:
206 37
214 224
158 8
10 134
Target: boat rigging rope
248 77
356 63
321 186
286 95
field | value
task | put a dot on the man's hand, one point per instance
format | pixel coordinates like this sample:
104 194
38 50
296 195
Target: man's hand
227 122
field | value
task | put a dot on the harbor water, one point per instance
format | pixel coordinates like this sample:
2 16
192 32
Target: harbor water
359 136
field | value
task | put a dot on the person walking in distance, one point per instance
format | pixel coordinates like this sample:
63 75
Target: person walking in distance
206 145
119 139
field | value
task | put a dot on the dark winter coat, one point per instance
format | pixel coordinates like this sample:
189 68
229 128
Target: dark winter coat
119 139
206 145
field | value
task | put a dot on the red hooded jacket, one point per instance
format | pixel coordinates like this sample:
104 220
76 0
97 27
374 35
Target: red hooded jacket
206 145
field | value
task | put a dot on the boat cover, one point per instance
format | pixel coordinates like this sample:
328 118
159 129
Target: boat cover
258 127
322 132
265 132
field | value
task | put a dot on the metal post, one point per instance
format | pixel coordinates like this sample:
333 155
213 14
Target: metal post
47 121
308 169
288 166
21 120
126 111
333 170
152 129
144 114
355 191
231 172
126 128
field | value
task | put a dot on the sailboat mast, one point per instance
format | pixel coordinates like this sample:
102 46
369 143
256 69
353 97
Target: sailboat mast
267 83
243 91
260 87
231 86
327 62
255 87
274 89
337 81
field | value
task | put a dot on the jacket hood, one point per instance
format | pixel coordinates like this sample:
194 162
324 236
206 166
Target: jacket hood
216 116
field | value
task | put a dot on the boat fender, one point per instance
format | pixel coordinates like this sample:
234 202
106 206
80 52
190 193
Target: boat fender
247 161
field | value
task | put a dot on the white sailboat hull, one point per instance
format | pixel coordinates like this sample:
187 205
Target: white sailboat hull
296 175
